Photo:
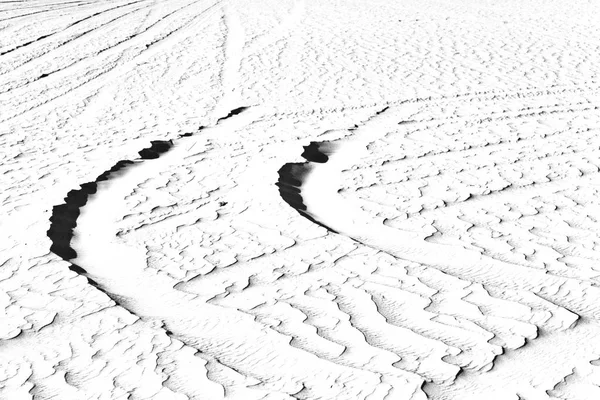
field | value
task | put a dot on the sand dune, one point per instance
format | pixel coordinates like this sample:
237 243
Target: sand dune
299 200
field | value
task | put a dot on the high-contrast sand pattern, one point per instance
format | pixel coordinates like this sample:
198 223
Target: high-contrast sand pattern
299 199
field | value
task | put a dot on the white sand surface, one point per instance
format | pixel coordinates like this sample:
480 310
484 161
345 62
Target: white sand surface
448 248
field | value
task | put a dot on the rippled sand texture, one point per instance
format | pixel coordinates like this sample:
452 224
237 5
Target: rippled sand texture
299 200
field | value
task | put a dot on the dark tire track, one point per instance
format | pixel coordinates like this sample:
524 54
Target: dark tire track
291 177
64 216
161 305
329 209
69 41
42 11
64 220
113 66
20 46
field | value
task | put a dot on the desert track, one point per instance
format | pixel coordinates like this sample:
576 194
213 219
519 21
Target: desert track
299 200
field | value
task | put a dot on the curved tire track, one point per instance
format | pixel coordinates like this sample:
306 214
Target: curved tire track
120 272
311 188
64 216
291 177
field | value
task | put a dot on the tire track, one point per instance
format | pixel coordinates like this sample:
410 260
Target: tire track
233 49
64 216
113 66
63 223
20 46
63 220
120 272
41 11
312 189
314 193
291 177
489 95
267 358
63 43
111 47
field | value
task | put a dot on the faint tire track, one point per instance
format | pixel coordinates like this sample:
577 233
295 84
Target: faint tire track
20 46
111 47
112 67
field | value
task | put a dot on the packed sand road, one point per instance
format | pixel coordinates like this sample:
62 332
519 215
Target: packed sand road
451 248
